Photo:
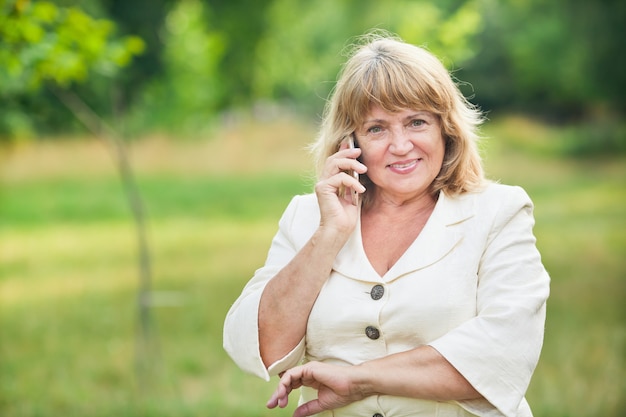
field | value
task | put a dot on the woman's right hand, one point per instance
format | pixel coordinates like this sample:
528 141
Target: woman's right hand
289 296
337 209
337 386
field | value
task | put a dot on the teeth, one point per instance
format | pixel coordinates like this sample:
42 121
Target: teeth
408 164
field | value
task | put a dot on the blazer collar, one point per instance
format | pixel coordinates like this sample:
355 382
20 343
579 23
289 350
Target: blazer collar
438 238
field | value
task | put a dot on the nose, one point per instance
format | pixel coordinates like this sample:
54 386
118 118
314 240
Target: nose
400 142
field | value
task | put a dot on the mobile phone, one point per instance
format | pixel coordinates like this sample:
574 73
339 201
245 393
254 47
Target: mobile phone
352 143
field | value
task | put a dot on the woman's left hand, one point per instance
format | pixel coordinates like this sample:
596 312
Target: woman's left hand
335 385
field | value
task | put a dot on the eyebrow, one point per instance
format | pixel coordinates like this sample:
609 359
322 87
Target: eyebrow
421 113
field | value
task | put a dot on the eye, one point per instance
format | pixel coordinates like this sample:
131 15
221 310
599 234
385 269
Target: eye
417 122
374 129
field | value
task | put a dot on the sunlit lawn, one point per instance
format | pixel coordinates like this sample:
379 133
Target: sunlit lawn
69 275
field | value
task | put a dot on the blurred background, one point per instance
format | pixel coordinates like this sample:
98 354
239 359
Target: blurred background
148 149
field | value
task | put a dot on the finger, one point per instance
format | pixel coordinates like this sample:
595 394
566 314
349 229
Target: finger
341 185
274 399
280 395
278 400
345 151
341 179
348 182
344 160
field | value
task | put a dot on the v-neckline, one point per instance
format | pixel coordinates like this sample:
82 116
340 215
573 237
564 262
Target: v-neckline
383 277
438 237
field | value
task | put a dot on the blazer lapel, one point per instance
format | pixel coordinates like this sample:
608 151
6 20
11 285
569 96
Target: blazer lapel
352 261
438 238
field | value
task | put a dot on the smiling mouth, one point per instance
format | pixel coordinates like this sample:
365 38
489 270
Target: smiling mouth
404 164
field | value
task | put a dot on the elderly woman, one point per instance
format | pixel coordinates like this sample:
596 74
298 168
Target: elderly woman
426 295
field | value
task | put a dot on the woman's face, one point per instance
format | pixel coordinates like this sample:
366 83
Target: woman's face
403 151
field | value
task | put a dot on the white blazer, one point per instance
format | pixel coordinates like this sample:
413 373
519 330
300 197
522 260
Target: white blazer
471 285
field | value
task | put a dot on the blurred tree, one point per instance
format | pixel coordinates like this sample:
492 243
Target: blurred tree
190 90
143 18
242 26
599 26
561 58
207 57
299 57
42 43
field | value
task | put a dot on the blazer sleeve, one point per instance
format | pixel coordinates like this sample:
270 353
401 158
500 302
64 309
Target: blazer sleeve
498 350
241 330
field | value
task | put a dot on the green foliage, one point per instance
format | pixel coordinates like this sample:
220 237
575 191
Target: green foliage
288 50
242 25
41 42
447 32
188 94
300 57
143 18
561 60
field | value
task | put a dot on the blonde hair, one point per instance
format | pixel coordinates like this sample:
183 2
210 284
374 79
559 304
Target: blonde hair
394 75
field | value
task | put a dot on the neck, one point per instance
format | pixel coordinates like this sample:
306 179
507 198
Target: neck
395 206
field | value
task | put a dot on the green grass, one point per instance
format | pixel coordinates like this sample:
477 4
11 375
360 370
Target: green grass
97 200
68 297
68 277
